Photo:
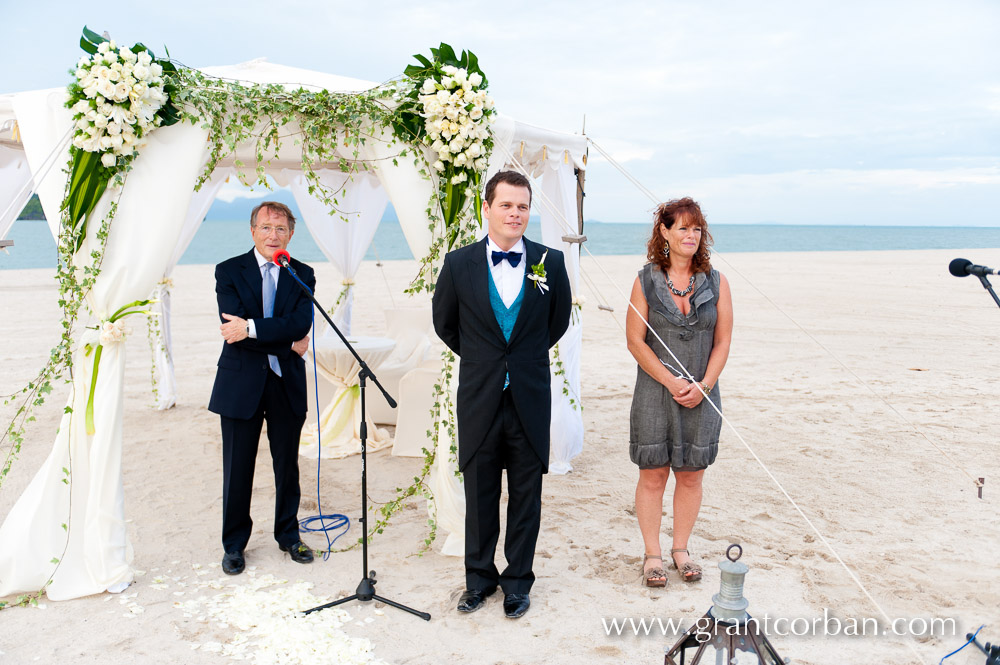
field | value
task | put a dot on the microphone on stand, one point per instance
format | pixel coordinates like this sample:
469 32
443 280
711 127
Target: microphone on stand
965 267
366 588
281 258
962 268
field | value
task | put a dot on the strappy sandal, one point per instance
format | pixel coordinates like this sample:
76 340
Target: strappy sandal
690 572
654 577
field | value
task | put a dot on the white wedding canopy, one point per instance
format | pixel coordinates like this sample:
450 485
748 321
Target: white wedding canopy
157 219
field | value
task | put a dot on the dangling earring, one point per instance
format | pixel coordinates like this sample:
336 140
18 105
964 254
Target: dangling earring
666 250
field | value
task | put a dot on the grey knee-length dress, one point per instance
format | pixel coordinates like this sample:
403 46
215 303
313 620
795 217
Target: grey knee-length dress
661 431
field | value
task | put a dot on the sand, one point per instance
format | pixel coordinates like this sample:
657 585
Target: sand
887 336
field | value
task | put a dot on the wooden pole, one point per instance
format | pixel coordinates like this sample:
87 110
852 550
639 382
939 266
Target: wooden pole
580 178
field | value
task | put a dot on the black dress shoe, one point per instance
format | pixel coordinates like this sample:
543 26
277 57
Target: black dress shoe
473 599
233 563
515 605
299 552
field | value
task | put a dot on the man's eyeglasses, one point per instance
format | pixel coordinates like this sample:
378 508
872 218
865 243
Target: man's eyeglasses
282 231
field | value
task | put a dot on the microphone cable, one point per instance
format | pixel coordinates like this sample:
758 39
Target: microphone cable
332 521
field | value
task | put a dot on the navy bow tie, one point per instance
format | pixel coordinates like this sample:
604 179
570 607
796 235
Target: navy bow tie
513 258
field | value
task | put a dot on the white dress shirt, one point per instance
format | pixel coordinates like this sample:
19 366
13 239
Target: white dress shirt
261 262
508 279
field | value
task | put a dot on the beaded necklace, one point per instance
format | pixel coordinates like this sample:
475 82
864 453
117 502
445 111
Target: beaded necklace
683 293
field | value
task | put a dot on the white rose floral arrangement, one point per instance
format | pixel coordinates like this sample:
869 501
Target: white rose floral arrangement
456 113
118 96
121 91
445 107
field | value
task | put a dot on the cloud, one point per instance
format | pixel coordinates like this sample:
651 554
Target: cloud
233 190
622 152
793 112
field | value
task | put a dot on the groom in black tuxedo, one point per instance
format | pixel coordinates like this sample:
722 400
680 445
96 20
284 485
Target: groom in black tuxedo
261 376
502 323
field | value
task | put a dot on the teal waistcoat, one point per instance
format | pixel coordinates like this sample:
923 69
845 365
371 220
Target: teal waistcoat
506 316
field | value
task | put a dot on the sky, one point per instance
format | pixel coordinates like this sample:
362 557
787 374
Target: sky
799 112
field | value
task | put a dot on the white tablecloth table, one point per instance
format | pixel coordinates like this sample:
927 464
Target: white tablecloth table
340 421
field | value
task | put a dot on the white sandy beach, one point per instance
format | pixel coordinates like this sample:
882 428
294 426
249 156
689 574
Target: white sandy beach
904 517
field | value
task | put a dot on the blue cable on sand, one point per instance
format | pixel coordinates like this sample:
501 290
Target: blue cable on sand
967 643
333 521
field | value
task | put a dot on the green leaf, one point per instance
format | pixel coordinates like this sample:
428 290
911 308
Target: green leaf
88 181
54 560
423 60
89 416
87 46
446 54
92 36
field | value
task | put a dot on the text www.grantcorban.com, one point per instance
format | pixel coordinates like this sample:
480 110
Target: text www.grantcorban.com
825 625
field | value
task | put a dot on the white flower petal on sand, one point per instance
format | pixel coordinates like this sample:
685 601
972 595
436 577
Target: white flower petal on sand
265 625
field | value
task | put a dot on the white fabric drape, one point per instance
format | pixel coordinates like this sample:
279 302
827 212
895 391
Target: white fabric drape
95 552
43 123
559 219
163 353
15 186
408 190
344 242
566 429
448 507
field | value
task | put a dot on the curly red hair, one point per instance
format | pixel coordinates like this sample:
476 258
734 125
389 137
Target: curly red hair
668 213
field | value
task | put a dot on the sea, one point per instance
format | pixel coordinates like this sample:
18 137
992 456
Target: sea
218 240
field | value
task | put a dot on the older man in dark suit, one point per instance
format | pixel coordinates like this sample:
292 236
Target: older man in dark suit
261 376
500 304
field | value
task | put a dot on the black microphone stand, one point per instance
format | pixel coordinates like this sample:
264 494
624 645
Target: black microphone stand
366 588
989 287
992 651
964 268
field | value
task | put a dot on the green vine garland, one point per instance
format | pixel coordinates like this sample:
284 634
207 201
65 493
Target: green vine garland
156 340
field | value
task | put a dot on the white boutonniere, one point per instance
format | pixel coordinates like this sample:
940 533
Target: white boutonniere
537 274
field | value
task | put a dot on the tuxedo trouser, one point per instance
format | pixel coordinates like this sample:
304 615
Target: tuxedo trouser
240 439
505 446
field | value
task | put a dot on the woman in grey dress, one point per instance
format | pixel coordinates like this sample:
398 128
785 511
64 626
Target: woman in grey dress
689 307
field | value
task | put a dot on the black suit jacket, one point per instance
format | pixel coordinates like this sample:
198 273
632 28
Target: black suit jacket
243 366
464 320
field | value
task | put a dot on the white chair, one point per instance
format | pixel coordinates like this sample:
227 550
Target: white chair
416 398
411 328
